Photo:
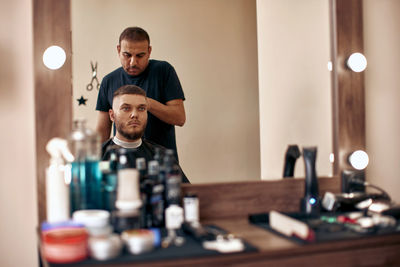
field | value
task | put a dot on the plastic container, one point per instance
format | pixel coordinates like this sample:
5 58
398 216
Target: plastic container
45 226
65 245
97 222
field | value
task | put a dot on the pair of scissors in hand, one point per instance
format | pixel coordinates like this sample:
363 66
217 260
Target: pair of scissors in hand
89 87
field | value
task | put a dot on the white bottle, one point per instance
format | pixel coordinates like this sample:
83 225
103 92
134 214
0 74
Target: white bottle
57 191
173 217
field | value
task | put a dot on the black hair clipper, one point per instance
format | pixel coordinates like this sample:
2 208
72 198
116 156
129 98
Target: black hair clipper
292 154
310 204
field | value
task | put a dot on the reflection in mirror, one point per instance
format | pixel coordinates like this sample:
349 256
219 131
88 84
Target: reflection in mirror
253 72
294 82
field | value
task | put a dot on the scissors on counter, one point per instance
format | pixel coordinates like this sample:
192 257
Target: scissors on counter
89 87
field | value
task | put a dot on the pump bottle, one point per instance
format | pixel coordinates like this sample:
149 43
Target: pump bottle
57 191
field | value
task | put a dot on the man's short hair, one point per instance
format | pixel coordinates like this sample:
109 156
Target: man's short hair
129 89
135 34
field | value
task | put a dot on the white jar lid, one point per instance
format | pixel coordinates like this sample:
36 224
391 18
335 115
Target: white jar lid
92 218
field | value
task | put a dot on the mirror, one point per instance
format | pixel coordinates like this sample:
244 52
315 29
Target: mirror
253 72
53 89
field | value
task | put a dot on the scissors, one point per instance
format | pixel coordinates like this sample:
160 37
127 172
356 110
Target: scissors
89 87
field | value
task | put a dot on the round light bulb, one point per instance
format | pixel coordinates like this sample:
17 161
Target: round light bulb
357 62
329 66
359 160
54 57
331 158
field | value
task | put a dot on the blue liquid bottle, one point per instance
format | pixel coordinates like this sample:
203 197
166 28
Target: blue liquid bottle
110 182
86 183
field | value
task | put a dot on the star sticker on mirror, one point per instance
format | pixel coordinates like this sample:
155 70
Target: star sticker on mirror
82 101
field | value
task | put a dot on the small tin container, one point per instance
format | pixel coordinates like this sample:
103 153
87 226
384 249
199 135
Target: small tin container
105 248
138 241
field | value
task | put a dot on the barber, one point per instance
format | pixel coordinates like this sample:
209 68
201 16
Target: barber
157 78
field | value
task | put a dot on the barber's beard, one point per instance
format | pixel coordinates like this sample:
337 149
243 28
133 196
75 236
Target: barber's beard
137 134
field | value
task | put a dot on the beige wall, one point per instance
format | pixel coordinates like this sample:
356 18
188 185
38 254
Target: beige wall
294 82
17 156
381 43
213 47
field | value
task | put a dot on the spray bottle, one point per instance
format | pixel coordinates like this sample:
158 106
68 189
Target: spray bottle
57 191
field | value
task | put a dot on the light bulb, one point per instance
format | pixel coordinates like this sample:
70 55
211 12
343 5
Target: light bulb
54 57
331 158
329 66
359 160
357 62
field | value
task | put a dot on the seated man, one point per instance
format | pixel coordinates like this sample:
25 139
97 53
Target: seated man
129 114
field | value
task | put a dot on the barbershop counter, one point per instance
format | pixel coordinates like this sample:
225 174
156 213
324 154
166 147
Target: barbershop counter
227 205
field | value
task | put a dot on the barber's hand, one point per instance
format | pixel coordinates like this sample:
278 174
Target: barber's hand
149 100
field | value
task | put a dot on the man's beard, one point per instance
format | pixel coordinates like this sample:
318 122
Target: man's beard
130 136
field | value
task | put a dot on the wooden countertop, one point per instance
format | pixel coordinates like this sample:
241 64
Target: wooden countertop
365 251
275 250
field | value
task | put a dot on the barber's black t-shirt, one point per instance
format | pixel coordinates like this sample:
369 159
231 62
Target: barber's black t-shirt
160 82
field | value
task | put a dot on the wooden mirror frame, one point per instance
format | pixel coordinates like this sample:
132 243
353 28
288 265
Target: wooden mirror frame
53 88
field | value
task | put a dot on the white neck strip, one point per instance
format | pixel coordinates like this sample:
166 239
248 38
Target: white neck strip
124 144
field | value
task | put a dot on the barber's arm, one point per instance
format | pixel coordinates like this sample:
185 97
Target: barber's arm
103 126
173 112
